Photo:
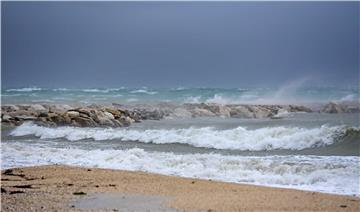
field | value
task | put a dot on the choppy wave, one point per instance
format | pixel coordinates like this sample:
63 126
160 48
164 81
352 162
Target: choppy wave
144 91
95 90
317 173
240 138
24 89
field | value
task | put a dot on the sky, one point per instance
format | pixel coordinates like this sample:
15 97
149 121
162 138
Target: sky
170 44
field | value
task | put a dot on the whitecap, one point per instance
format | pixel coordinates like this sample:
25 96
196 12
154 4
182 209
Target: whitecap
330 174
240 138
24 89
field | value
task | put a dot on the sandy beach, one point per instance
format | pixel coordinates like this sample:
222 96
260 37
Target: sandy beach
65 188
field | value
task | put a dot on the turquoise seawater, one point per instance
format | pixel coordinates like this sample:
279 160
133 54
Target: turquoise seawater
285 95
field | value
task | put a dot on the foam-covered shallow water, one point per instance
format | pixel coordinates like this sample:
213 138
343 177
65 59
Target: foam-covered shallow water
316 152
331 174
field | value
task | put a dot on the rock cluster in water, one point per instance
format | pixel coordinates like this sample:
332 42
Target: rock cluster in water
117 115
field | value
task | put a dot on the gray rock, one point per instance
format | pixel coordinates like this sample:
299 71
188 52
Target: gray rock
25 118
333 108
9 108
109 115
38 108
241 111
200 112
6 118
84 122
72 114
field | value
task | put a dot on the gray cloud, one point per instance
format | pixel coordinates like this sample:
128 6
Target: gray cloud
163 44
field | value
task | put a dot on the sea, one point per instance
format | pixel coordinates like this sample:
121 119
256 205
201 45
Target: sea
307 151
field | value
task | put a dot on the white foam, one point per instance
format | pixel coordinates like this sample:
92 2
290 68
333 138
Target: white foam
144 91
240 138
24 89
316 173
94 90
193 99
61 89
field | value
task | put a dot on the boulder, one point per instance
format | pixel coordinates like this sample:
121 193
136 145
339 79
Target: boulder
300 108
38 108
24 118
6 118
109 115
180 113
59 108
9 108
241 111
72 114
261 112
224 111
333 108
114 112
84 122
200 112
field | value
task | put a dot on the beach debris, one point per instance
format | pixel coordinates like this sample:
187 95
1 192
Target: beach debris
16 192
9 172
79 193
23 186
343 206
3 190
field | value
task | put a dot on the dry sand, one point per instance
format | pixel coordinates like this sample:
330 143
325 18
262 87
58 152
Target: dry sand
64 188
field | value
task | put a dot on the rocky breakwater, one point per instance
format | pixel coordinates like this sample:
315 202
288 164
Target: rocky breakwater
333 107
116 115
65 115
233 110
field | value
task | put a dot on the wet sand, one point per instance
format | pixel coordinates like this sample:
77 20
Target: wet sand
65 188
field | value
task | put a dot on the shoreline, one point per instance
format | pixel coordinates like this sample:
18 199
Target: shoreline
54 187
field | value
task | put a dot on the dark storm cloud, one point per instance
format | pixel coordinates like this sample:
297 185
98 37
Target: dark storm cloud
162 44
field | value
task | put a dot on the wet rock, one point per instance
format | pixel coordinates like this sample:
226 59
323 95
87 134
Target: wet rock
353 109
6 118
180 113
38 108
84 122
59 108
9 108
200 112
24 118
241 111
261 112
224 112
114 112
296 108
109 115
73 114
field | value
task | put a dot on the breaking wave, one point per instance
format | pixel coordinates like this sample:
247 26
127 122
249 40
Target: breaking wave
240 138
330 174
